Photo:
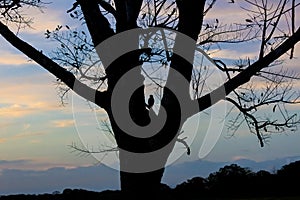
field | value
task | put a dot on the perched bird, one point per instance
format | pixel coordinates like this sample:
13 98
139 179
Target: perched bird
150 102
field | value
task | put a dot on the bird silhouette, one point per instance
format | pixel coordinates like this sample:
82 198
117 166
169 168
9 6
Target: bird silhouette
150 102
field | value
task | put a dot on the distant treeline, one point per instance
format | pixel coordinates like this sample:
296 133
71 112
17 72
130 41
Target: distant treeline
235 181
231 181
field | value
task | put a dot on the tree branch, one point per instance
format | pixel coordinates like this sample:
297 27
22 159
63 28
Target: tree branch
127 13
243 77
98 25
260 138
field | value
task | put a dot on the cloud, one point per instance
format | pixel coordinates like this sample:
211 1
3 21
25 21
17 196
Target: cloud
15 110
235 158
2 140
12 59
235 53
35 141
23 135
98 178
30 94
95 178
222 13
63 123
44 19
13 162
4 125
24 85
21 110
28 134
32 165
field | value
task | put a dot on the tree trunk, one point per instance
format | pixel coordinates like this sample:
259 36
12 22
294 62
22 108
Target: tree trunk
143 160
139 181
141 184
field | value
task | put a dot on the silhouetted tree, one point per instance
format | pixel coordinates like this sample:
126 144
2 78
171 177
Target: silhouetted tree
265 184
287 177
192 188
231 180
106 18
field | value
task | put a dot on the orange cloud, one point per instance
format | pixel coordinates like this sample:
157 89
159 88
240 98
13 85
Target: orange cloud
49 18
233 54
15 110
21 110
28 134
29 95
13 59
63 123
35 141
240 157
4 125
2 140
27 89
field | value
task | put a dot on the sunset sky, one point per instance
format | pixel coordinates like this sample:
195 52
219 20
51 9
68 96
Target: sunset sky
36 129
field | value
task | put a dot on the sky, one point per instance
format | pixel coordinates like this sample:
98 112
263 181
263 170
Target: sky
36 130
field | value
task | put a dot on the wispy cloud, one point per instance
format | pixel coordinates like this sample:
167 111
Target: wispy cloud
40 25
12 59
13 162
4 125
35 141
226 12
29 134
30 164
2 140
46 181
240 157
31 94
234 53
63 123
22 110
